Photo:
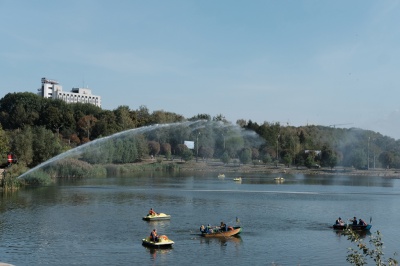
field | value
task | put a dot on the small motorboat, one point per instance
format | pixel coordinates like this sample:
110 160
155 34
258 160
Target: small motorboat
221 176
279 178
163 242
217 232
237 179
157 217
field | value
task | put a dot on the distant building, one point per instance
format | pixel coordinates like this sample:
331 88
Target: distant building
52 89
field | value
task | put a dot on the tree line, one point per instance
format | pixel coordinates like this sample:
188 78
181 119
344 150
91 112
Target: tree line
36 129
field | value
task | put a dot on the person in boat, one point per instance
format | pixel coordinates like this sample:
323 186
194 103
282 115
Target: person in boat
223 227
154 236
202 229
361 222
354 221
339 221
209 229
152 212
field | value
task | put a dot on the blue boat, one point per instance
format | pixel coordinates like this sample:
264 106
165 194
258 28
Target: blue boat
353 227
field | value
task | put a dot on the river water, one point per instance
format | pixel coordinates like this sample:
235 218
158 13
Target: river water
99 221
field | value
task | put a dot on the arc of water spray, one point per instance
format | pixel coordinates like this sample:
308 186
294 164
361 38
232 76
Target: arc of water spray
195 125
78 150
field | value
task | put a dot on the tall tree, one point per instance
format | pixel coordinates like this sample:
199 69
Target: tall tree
21 145
86 123
4 145
245 155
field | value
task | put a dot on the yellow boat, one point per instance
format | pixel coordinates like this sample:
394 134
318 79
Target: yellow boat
163 242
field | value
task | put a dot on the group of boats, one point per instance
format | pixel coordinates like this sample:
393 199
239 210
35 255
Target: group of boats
236 179
278 179
164 242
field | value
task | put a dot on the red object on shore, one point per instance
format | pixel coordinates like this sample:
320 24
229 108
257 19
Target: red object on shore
11 158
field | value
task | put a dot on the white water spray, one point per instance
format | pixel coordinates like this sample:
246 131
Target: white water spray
193 125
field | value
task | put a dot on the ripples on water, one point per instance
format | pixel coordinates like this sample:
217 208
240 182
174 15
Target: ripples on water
98 221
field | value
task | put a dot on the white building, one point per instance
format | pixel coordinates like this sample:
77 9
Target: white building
52 89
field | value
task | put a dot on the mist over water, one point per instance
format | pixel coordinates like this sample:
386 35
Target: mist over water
183 131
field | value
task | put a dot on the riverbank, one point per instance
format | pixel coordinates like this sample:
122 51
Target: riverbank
218 167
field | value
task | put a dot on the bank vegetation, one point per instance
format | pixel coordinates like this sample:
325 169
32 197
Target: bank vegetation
34 130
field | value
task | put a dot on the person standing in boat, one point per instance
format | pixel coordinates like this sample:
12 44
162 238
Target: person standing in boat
154 236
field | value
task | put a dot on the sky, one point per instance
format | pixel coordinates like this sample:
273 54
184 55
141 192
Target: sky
296 62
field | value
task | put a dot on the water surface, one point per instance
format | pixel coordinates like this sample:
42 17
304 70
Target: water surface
98 221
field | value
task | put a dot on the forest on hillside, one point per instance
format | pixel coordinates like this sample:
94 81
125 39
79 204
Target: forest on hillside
35 129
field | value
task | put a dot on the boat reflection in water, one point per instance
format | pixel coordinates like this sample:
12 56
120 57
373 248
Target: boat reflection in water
157 251
361 234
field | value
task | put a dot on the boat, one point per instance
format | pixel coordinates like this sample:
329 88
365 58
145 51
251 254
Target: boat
237 179
232 231
157 217
353 227
221 176
279 178
163 242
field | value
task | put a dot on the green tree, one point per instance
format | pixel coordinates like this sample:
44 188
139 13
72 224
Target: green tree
180 148
309 159
106 125
123 119
266 158
328 157
206 152
287 159
141 117
245 155
359 256
4 146
234 143
53 118
21 109
162 117
187 155
358 158
21 145
387 158
142 147
225 158
154 147
200 117
45 145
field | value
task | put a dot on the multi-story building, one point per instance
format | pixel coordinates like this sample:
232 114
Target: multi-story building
52 89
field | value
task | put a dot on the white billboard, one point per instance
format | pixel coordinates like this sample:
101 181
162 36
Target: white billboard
189 144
